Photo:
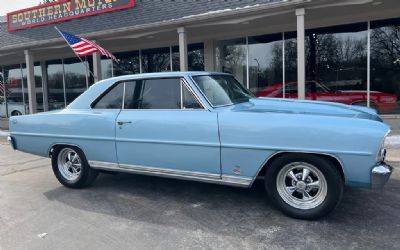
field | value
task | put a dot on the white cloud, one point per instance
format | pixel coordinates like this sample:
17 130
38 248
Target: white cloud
9 6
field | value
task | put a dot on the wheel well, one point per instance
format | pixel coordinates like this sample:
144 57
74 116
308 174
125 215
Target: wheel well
330 158
55 146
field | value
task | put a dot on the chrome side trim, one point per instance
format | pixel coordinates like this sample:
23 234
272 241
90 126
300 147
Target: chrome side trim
105 165
173 173
272 148
189 88
180 143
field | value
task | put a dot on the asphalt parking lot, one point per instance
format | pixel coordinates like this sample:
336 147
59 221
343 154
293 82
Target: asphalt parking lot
141 212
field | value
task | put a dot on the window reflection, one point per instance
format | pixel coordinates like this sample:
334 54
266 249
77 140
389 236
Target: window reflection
290 57
231 58
106 68
37 70
12 102
385 65
265 61
55 84
128 64
161 94
156 60
195 57
336 57
75 78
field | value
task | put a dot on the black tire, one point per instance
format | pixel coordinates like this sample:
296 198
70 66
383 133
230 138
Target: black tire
16 113
333 186
87 175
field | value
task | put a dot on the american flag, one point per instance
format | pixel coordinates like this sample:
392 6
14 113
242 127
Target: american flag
83 47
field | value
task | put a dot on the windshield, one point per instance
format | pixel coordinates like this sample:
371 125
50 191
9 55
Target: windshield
222 90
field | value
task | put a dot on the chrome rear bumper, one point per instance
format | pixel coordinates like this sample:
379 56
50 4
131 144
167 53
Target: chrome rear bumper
380 175
11 142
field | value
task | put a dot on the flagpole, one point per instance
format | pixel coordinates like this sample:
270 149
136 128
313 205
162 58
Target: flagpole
84 63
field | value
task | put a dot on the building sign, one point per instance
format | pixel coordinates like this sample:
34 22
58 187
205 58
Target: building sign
61 11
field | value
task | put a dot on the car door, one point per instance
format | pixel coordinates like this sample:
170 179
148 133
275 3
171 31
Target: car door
99 125
163 127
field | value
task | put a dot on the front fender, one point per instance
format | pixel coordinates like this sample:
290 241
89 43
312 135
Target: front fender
249 139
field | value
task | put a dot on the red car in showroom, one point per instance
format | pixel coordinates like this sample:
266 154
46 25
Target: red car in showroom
382 102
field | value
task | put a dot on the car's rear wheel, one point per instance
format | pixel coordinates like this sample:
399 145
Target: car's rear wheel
304 186
71 168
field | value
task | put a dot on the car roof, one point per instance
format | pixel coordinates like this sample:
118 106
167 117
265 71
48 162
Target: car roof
167 74
84 101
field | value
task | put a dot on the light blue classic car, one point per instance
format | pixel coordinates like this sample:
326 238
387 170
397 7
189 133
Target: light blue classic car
207 127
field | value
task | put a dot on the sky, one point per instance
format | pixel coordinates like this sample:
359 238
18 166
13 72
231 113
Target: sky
11 5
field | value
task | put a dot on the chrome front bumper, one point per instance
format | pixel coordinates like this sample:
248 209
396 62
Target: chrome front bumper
380 175
11 142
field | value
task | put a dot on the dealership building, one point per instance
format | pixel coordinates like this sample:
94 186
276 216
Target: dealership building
346 51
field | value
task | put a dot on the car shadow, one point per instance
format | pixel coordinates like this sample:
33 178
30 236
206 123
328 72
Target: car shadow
233 211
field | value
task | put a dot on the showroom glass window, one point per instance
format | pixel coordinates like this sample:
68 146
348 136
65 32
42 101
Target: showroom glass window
290 57
129 64
231 58
37 71
107 68
265 61
25 98
195 57
156 60
385 66
14 97
55 84
336 57
75 78
89 61
2 89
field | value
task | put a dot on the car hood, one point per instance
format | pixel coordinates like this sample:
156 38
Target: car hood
277 105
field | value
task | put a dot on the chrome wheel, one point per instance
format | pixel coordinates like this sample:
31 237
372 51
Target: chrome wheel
301 185
69 164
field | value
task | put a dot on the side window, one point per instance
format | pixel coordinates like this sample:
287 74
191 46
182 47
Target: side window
161 94
112 99
189 101
132 94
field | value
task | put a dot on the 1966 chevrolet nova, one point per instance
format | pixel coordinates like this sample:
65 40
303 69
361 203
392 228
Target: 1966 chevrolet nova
207 127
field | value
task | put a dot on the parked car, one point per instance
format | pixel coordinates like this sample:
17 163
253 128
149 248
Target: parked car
12 109
382 102
207 127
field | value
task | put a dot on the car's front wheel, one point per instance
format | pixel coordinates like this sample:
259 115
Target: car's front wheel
304 186
71 167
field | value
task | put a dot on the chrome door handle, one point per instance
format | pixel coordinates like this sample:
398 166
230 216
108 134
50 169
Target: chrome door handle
120 123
